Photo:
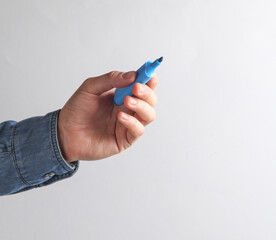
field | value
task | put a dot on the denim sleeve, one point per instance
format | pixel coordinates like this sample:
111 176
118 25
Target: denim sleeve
30 156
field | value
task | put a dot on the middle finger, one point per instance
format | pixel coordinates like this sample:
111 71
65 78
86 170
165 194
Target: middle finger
142 108
145 93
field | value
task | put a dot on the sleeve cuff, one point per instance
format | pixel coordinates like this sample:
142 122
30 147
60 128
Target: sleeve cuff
37 156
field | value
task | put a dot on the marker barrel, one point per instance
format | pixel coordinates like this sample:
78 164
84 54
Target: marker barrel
144 74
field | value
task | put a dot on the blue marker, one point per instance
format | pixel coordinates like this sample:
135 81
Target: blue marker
144 74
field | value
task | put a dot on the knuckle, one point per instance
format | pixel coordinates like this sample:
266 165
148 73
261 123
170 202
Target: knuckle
138 129
155 101
141 131
112 74
86 84
152 116
155 79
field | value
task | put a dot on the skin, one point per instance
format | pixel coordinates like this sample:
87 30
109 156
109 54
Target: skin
92 127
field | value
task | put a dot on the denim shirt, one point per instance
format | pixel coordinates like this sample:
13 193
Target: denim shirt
30 156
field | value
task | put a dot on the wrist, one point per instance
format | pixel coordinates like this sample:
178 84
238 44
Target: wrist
63 140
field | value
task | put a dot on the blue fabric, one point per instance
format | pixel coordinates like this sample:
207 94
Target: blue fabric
30 156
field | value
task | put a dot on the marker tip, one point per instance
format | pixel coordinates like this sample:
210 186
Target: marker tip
160 59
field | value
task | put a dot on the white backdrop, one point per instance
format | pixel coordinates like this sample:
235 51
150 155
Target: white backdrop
205 169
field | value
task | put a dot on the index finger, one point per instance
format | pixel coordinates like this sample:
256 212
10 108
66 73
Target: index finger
153 82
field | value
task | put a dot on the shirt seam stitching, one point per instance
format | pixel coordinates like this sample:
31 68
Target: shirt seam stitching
15 158
52 140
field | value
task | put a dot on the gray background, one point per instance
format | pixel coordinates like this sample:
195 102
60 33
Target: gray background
205 169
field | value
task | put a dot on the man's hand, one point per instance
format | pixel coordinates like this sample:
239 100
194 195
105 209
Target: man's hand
91 127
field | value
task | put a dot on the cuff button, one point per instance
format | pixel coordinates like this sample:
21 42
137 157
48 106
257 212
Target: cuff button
50 174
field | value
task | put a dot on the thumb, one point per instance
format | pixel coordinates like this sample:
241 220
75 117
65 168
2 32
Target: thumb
103 83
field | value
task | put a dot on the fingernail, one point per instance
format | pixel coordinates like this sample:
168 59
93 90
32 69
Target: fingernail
124 116
127 75
142 88
132 101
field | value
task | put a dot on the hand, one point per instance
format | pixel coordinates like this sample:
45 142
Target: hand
91 126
